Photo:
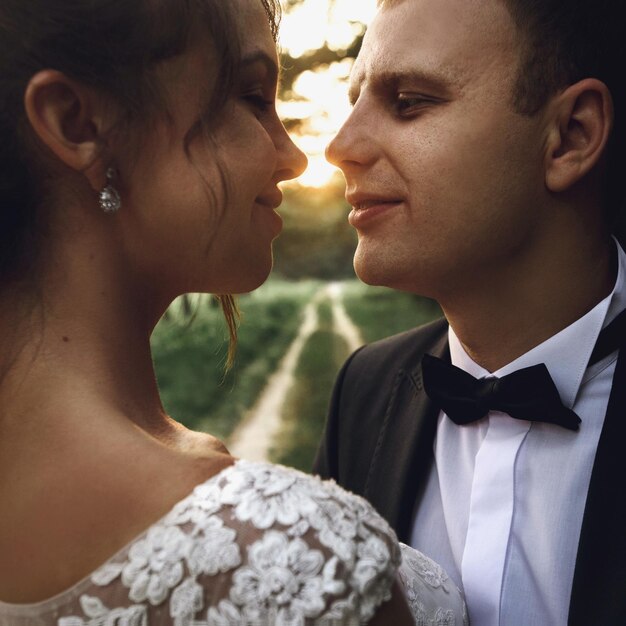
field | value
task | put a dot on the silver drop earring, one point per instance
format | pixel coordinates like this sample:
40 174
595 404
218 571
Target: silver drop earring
110 201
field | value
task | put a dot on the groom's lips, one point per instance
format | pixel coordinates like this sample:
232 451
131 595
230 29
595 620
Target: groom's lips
366 207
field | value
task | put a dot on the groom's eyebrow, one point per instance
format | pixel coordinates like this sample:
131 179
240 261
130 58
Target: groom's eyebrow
392 81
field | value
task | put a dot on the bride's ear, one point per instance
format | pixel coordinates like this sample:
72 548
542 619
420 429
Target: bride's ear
70 120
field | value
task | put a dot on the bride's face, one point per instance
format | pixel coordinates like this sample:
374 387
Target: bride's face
186 230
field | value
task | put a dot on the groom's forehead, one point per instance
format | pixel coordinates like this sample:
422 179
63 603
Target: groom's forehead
444 44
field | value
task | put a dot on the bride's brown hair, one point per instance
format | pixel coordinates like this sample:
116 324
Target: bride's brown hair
113 46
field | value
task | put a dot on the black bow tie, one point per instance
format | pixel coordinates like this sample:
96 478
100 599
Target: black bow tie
527 394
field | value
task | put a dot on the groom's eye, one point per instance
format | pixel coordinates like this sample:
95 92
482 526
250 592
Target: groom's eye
411 104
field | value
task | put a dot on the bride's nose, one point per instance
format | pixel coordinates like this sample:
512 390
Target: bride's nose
292 162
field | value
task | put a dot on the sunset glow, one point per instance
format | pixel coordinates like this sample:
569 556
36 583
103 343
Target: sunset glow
321 95
313 22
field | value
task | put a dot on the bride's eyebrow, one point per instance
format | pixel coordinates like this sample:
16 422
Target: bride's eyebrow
260 56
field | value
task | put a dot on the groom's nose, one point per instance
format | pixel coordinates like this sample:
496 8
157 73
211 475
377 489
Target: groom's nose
354 145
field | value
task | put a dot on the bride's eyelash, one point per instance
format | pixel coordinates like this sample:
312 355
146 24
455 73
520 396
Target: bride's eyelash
258 101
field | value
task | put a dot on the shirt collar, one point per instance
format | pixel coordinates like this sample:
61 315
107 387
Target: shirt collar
565 354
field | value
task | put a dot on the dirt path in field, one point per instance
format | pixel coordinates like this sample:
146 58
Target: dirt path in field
253 438
343 325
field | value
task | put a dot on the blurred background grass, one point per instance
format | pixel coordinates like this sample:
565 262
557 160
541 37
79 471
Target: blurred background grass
379 312
190 346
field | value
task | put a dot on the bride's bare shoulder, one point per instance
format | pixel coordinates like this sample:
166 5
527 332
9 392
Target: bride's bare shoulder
73 511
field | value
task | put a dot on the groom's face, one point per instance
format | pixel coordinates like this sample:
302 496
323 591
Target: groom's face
444 176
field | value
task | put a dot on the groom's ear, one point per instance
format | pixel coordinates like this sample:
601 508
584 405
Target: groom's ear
580 123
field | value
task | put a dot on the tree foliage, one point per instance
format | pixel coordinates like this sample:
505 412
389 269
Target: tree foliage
292 67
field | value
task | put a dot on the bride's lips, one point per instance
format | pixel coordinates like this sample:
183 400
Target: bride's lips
267 205
366 208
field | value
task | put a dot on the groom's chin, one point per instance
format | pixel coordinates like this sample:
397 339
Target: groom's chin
376 274
386 269
377 267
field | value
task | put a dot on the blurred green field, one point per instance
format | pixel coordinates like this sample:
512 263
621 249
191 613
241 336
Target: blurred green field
379 312
189 357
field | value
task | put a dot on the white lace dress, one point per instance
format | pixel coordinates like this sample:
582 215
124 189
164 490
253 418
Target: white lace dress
255 545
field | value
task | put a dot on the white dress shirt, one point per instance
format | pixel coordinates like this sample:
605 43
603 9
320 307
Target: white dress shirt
505 498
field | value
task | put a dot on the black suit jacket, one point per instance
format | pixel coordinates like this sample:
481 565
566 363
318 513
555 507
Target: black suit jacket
379 443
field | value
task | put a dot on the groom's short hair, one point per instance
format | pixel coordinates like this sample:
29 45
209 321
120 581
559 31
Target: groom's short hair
562 42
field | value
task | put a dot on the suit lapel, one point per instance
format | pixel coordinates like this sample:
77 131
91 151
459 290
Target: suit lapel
404 450
598 591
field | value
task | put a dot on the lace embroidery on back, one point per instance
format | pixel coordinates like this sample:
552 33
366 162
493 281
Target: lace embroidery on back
257 544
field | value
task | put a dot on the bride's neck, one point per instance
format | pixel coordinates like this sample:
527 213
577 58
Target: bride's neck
78 348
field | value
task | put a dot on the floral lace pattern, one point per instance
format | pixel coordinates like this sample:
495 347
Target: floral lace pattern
257 544
419 574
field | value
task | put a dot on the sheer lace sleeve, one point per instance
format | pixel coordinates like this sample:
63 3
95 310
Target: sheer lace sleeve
258 544
433 598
